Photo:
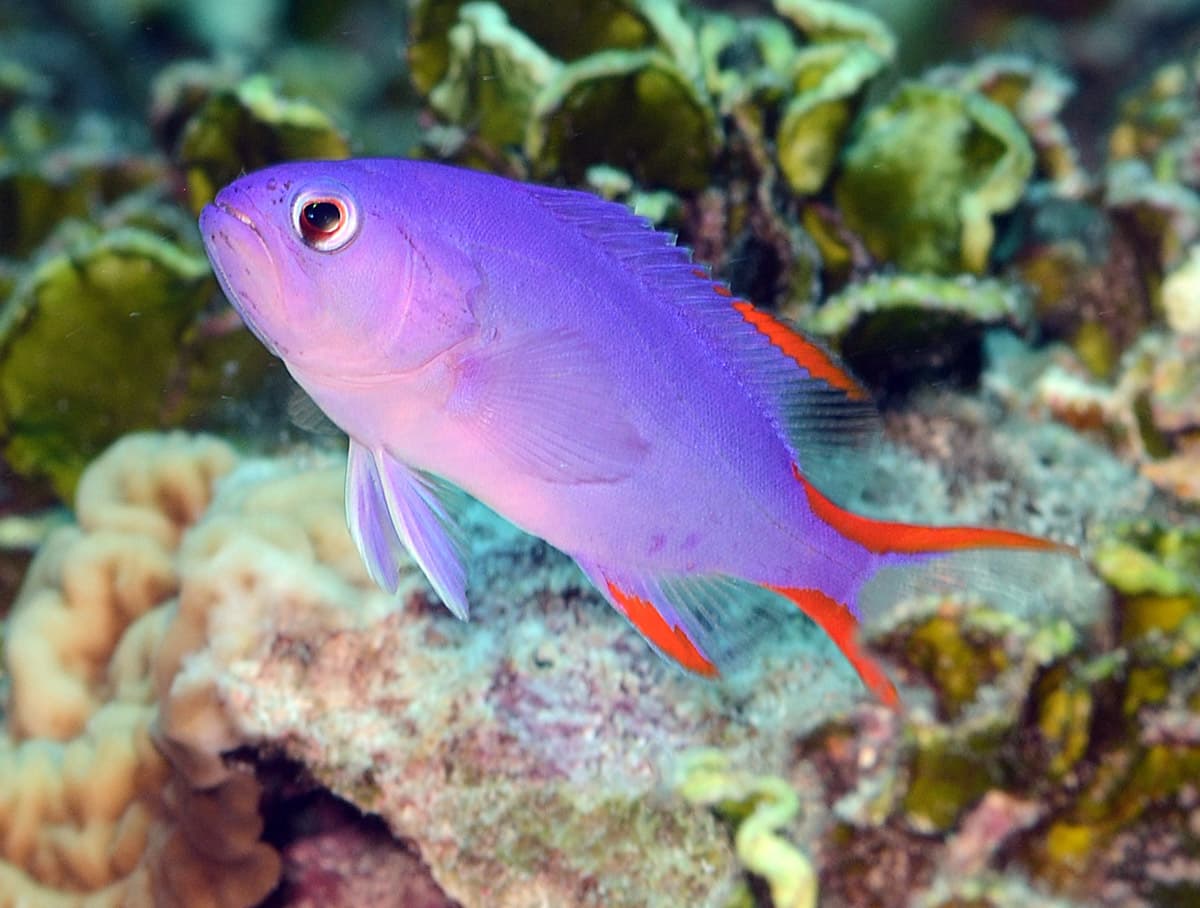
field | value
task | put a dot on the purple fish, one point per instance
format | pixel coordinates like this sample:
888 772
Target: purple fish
554 356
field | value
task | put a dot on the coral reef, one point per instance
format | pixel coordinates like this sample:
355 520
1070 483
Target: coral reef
1006 249
252 627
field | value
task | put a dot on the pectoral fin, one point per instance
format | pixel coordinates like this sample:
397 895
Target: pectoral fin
392 509
543 404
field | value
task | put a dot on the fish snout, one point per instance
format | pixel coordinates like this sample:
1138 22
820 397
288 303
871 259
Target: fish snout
244 266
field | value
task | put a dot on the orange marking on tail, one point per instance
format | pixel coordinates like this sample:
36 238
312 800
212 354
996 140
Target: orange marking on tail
722 290
839 623
671 640
808 355
886 537
700 273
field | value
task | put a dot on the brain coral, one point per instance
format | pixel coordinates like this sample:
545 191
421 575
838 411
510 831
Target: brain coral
91 813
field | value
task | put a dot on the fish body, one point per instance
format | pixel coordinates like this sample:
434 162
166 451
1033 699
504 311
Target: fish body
555 357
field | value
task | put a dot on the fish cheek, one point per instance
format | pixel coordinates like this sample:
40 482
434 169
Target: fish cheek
432 304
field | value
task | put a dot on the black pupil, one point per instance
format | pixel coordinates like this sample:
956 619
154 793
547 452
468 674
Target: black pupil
322 217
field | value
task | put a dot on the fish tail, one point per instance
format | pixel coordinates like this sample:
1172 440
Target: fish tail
1011 570
1025 582
839 620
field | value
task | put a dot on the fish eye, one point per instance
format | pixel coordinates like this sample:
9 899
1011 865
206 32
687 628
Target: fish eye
325 222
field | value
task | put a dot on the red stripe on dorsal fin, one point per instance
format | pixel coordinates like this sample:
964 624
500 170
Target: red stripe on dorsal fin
815 404
885 537
670 640
839 623
815 360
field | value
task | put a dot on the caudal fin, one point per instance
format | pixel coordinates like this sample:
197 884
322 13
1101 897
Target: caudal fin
887 537
839 622
1011 570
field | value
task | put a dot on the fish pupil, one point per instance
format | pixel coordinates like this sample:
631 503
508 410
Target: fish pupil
322 217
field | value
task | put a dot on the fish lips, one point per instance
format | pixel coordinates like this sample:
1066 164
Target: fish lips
243 264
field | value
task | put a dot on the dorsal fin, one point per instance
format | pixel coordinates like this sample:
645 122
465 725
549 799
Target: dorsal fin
813 401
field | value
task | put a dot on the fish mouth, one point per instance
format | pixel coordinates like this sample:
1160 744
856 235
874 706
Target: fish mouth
243 264
235 213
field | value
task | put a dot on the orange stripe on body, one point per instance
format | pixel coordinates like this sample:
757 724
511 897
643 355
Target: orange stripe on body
807 355
671 640
839 623
884 537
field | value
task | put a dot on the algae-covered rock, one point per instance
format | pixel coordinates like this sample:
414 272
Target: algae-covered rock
68 338
617 108
1035 94
925 174
829 81
248 127
493 75
567 30
894 329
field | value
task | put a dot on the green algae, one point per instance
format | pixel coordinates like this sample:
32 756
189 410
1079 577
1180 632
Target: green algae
1146 558
759 806
746 61
829 83
614 107
895 328
37 196
66 336
1035 94
948 773
248 127
829 21
643 90
567 31
956 661
494 73
925 174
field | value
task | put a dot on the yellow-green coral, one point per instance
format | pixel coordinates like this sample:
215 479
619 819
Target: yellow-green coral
926 173
759 806
616 107
65 387
247 127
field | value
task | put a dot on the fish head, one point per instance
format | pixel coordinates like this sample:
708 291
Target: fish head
322 261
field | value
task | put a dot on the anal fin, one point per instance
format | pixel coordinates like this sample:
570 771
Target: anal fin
707 623
652 613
